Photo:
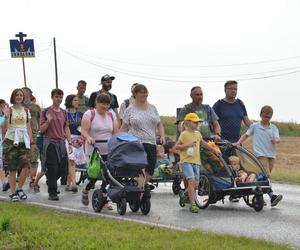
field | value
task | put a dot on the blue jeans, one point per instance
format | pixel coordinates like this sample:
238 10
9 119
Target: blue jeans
191 170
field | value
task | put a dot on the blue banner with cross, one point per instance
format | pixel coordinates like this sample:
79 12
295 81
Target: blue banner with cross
21 48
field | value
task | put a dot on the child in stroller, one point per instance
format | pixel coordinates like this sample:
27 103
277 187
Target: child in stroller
240 175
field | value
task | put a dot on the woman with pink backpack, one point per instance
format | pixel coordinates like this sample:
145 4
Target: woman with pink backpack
97 125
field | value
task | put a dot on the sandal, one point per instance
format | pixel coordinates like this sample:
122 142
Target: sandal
85 197
14 197
21 194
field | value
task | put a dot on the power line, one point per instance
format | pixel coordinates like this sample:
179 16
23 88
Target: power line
175 80
192 66
203 76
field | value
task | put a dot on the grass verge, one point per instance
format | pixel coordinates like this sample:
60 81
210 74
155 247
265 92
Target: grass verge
24 226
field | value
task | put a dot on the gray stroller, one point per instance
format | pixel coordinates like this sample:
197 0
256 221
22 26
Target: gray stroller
126 160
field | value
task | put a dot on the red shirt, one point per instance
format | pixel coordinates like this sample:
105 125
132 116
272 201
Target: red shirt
57 124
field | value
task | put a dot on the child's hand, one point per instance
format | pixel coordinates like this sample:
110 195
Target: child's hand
275 141
4 109
192 144
217 152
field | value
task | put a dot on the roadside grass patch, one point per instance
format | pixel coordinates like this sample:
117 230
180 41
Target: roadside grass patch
5 223
32 227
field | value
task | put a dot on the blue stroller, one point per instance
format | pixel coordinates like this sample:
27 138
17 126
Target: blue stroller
217 179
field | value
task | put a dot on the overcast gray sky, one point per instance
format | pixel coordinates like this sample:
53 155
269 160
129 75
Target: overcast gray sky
170 46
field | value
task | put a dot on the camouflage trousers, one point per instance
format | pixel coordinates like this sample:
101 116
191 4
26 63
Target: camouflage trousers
15 157
34 156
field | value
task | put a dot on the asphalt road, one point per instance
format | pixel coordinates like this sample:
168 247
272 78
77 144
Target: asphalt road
280 224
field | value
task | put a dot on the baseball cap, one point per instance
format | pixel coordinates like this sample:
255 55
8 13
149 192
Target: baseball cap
28 89
107 77
192 117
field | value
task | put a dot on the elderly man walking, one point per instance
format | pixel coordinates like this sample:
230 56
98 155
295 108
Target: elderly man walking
210 126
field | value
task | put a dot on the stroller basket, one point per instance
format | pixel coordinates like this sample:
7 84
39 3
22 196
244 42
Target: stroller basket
127 170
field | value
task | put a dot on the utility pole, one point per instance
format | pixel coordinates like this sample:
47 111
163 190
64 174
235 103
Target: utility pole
55 63
24 73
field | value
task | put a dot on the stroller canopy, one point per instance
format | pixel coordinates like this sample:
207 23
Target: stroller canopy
125 149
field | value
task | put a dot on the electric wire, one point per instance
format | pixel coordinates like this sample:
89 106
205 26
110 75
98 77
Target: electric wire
175 80
193 66
203 76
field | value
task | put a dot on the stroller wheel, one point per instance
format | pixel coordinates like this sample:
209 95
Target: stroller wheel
80 177
176 187
145 205
134 206
98 200
258 202
204 192
121 206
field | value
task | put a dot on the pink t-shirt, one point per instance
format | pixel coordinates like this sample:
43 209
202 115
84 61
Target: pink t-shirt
101 129
56 126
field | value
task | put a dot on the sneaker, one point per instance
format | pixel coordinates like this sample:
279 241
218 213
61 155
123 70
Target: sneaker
275 199
5 186
149 186
194 208
53 197
85 197
107 206
183 196
74 189
233 199
14 197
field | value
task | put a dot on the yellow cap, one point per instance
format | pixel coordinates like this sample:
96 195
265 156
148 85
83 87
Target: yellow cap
192 117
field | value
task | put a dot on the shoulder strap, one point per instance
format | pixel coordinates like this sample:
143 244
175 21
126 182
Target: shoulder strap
240 102
26 110
10 114
217 108
111 115
93 113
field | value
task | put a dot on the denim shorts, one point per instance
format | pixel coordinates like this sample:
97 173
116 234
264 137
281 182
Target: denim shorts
191 170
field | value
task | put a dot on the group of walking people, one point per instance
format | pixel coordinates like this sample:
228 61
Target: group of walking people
62 138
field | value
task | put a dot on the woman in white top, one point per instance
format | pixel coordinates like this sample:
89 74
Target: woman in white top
98 125
142 120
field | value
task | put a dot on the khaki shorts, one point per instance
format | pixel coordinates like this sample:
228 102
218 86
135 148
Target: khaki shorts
268 164
15 157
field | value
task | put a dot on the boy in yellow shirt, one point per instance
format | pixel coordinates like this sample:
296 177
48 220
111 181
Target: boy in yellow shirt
188 144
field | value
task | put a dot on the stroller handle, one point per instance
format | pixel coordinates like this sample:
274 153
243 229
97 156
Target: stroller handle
98 141
101 141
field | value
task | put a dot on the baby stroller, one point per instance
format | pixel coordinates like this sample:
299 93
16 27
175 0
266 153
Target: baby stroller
126 160
217 179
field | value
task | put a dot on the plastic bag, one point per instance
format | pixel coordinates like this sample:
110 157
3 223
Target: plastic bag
94 167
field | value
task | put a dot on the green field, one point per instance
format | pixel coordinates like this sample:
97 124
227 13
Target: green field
24 226
285 128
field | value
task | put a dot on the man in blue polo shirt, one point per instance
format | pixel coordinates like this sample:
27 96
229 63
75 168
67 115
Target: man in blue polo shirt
231 112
